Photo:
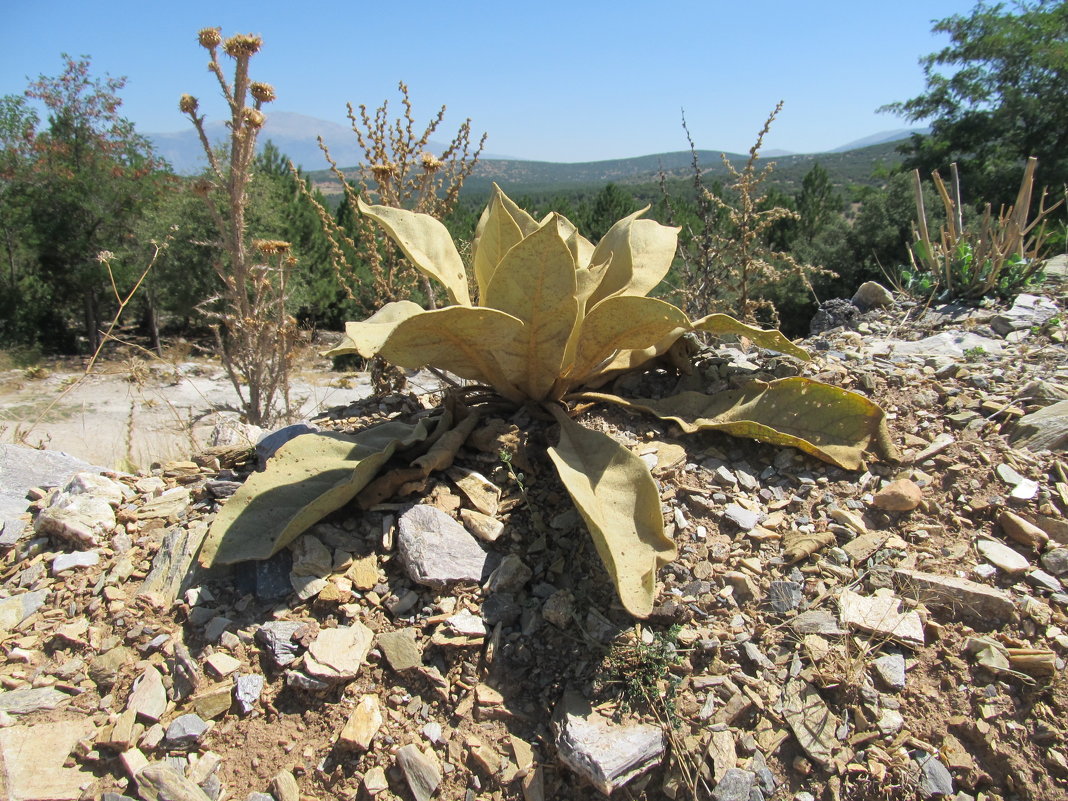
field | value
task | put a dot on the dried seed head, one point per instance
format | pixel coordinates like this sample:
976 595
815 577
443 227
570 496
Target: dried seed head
384 172
243 44
263 92
188 104
431 163
271 247
209 37
254 118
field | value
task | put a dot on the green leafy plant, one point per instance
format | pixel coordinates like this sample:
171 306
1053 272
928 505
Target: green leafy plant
998 255
975 353
556 319
639 670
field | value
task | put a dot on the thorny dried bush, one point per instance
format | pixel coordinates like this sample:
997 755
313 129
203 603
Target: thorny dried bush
254 332
725 264
993 256
398 170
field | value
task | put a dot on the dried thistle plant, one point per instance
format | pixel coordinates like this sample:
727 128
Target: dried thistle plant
398 170
253 329
726 264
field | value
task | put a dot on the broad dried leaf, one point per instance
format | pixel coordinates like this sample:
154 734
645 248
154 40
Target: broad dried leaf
824 421
535 282
617 497
623 322
366 337
798 545
465 340
496 234
427 244
772 340
639 253
311 476
443 452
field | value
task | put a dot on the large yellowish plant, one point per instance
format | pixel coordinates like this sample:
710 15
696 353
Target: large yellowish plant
556 318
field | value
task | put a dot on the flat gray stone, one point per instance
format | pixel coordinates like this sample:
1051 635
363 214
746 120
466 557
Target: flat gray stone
966 599
510 575
816 621
82 521
744 519
70 561
17 608
161 782
947 343
277 637
735 785
1046 429
1027 311
1044 581
400 649
1056 561
148 697
186 731
32 761
15 529
784 596
31 699
890 668
173 571
606 754
24 468
436 550
935 779
422 774
1003 557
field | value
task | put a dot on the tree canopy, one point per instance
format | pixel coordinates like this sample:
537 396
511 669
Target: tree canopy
1006 100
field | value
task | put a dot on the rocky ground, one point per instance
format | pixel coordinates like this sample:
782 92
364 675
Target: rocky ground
895 633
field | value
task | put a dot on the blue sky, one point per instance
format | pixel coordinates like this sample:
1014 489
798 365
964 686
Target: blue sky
555 81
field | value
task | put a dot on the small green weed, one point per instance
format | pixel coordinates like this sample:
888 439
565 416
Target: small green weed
975 353
639 672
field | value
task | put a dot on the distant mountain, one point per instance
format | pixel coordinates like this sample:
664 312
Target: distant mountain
895 135
295 135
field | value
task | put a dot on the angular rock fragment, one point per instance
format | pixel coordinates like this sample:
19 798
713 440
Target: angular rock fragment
811 721
400 649
31 699
964 598
277 637
421 773
902 495
736 785
247 691
33 761
159 781
363 724
880 615
1003 557
186 731
890 668
436 550
148 698
337 654
606 754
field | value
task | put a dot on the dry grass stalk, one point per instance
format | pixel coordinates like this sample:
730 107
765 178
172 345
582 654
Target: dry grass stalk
397 170
726 264
253 329
998 255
